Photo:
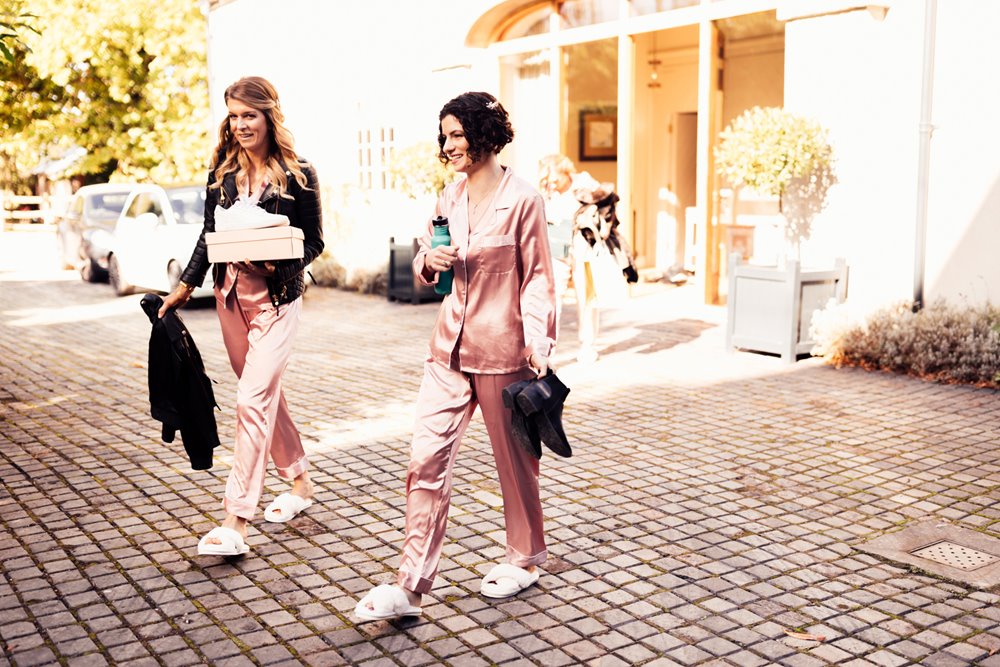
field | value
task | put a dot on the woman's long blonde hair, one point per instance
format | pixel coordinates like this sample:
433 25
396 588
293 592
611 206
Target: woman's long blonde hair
259 94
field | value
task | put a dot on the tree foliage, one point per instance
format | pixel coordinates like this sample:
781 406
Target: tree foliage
780 154
14 23
125 80
416 170
766 148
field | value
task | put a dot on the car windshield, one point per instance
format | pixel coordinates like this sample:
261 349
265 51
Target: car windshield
188 204
106 205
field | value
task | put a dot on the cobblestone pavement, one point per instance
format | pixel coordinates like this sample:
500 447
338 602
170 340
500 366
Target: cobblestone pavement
714 501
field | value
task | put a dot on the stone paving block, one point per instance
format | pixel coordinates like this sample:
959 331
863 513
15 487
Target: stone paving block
942 659
967 651
802 660
688 655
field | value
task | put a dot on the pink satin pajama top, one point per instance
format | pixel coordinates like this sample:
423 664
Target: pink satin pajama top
502 305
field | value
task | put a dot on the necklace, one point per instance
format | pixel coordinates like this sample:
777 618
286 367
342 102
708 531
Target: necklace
475 205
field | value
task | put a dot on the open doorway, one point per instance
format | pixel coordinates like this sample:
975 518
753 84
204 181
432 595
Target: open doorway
681 254
665 149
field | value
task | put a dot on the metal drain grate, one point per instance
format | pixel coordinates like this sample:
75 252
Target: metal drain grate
955 555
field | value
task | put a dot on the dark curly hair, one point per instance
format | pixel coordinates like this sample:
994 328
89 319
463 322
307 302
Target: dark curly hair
484 120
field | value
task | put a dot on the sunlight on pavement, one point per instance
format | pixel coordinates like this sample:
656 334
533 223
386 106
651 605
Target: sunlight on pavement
34 405
348 436
30 317
398 424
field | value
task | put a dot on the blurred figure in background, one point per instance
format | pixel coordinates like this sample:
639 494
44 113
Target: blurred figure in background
583 235
555 180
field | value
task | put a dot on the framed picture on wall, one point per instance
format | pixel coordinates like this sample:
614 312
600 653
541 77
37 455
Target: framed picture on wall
598 136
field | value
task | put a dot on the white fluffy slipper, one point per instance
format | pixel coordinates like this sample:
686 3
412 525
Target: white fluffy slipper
506 580
385 602
232 543
286 507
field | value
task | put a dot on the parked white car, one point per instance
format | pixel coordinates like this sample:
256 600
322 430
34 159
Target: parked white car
83 230
154 238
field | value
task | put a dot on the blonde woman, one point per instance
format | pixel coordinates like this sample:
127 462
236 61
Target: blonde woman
555 177
583 232
259 305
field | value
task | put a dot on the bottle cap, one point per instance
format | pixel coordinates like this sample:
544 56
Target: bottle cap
440 221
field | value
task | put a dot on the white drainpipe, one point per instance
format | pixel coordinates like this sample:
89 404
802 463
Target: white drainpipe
924 158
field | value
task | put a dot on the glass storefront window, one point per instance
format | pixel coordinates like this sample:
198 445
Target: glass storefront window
576 13
535 22
572 14
640 7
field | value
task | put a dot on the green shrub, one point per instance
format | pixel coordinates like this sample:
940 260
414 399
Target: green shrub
943 343
416 170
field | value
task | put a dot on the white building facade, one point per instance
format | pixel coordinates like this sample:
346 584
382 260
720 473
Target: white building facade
636 92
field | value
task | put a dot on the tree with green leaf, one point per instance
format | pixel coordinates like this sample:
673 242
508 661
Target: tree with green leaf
14 23
416 170
780 154
125 80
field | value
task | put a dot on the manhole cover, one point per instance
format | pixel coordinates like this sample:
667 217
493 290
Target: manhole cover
944 550
956 555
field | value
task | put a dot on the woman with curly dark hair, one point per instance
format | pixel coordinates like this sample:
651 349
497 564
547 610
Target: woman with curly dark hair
495 328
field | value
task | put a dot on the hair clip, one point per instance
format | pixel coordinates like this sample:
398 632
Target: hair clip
492 105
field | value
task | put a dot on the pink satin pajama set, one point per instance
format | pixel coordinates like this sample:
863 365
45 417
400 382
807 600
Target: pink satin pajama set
258 337
500 311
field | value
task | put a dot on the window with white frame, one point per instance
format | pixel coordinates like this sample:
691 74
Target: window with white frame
375 148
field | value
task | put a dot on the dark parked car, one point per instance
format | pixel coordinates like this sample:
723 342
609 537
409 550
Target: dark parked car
83 231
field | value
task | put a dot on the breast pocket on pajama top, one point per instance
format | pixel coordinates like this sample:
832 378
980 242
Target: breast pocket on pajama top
496 254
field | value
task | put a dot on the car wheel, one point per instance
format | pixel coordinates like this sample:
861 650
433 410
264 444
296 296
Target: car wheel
118 284
92 272
173 274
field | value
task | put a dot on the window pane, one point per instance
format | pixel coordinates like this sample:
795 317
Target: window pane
188 205
535 22
576 13
143 203
640 7
107 205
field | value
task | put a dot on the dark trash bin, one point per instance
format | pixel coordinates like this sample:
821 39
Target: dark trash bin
402 284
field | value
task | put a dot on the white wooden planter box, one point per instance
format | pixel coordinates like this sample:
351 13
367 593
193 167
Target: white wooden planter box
770 309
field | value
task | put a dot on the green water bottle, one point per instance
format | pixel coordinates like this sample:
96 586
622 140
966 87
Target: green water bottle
441 236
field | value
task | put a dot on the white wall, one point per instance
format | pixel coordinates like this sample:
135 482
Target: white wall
861 79
963 238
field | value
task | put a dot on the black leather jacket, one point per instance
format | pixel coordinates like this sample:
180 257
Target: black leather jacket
180 393
303 210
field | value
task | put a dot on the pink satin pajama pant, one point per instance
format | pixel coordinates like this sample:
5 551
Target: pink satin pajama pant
446 402
259 343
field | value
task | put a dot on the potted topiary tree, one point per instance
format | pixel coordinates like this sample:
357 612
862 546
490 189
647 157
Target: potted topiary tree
780 154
